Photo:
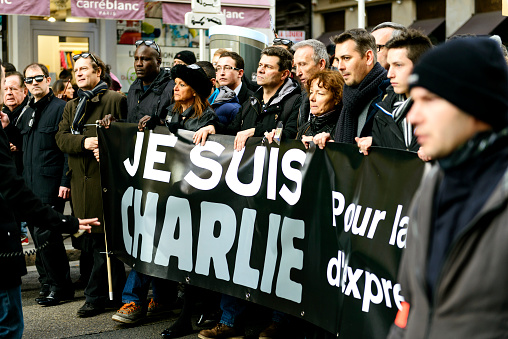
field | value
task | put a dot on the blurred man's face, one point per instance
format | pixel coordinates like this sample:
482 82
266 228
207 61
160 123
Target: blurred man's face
14 94
440 126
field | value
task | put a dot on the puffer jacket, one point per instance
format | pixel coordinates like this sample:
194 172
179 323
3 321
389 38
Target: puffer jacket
225 104
185 121
154 101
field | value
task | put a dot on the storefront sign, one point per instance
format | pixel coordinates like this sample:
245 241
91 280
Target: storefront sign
174 13
109 9
295 36
25 7
317 234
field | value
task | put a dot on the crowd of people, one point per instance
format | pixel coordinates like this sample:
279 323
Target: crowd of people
388 88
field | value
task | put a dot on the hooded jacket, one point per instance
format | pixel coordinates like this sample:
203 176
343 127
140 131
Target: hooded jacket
225 104
154 101
282 107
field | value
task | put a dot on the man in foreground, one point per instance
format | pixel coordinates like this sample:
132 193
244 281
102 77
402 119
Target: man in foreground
453 274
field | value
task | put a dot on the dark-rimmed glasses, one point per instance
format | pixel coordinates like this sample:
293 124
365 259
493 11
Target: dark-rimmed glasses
285 42
149 43
379 47
84 56
37 78
226 68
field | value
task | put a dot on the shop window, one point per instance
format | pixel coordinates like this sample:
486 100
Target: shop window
378 14
482 6
334 21
430 9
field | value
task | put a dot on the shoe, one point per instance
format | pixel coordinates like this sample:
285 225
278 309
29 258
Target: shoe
156 308
129 313
221 331
208 319
54 298
177 331
90 310
24 240
273 331
43 293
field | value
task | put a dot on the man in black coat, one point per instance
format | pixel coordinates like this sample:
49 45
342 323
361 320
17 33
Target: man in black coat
44 171
152 91
17 202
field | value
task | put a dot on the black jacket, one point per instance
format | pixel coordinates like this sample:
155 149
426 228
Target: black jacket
304 111
244 94
17 202
177 121
14 134
315 125
252 114
44 164
154 101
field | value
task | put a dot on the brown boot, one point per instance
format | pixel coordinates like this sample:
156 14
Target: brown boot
221 331
273 331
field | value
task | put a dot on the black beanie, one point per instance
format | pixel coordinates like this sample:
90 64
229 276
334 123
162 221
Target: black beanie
469 73
186 56
195 77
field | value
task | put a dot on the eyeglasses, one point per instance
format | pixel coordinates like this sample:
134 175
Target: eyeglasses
379 47
226 68
285 42
37 78
84 56
149 43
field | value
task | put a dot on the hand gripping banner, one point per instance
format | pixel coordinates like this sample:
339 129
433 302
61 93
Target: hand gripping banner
314 233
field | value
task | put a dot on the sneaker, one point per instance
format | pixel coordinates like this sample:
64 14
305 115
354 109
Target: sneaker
24 240
221 331
271 332
129 313
155 308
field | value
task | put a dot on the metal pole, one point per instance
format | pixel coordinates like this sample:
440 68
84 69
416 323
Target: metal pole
202 46
361 13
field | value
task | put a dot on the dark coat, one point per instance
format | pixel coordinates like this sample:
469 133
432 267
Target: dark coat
469 300
184 121
321 124
83 167
252 114
45 166
154 101
244 94
386 132
304 111
14 134
17 202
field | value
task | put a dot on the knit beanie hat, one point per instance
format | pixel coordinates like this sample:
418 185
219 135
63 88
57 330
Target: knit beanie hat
470 73
186 56
195 77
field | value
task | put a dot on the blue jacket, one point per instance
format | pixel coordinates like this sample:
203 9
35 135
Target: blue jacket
225 104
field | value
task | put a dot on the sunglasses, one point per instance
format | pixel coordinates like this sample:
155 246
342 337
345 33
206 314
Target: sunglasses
84 56
285 42
149 43
37 78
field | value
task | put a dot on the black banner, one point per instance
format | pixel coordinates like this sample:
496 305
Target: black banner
313 233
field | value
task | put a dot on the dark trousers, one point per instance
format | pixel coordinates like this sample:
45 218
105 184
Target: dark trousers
51 259
96 291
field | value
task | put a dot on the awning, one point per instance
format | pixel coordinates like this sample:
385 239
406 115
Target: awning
427 26
482 23
25 7
325 37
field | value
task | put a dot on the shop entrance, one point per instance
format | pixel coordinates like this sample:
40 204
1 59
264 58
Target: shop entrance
56 42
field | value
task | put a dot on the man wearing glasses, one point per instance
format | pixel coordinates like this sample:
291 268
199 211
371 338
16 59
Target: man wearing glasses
229 72
383 33
76 136
44 171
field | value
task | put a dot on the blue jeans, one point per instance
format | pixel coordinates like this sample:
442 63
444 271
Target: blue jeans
24 229
137 286
11 314
231 308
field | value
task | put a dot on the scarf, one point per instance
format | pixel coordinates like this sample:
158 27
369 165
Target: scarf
354 100
84 96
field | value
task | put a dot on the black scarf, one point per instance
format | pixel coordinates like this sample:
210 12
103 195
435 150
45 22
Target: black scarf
354 99
84 96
